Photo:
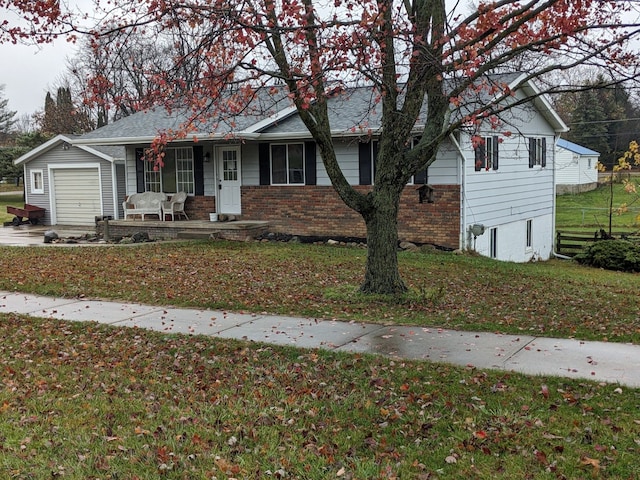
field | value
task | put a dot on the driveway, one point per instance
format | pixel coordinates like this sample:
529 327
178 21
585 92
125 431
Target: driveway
33 235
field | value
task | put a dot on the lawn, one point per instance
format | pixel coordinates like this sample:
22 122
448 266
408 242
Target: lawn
555 298
14 199
88 401
590 210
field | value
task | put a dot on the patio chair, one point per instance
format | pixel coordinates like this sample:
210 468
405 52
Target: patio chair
175 206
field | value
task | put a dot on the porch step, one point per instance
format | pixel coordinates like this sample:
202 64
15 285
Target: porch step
191 235
187 229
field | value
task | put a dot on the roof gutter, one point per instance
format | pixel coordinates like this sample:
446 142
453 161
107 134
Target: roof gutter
243 135
118 141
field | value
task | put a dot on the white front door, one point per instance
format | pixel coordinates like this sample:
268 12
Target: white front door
229 180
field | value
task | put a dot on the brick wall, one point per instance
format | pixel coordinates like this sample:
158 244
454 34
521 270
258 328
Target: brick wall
318 211
199 208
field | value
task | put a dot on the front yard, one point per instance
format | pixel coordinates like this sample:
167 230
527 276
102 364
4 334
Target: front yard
555 298
83 401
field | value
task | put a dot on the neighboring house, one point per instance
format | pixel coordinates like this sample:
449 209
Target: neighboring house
73 183
268 168
576 168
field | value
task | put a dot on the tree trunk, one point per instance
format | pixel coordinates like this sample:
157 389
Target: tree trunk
381 272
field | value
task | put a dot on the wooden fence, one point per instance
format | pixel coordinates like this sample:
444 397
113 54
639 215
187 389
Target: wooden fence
572 243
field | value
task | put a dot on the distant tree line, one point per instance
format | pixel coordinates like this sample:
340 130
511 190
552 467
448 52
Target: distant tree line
603 117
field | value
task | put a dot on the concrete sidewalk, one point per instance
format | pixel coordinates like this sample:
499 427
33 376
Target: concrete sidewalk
599 361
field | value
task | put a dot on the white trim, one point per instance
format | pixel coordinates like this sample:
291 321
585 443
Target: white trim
528 235
114 190
61 140
32 179
541 102
276 117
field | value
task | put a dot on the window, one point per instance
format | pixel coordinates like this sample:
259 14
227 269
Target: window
537 152
230 165
493 242
486 154
176 175
367 159
37 181
287 164
422 177
529 244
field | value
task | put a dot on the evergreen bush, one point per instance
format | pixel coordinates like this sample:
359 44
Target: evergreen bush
612 255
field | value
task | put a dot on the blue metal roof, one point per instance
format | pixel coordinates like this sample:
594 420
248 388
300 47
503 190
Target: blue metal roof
575 148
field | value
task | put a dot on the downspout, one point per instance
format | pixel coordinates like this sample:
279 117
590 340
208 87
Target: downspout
462 181
553 204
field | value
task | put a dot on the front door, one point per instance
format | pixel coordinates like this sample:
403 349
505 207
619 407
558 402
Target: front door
229 180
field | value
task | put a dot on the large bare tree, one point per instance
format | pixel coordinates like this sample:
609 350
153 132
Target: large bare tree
417 55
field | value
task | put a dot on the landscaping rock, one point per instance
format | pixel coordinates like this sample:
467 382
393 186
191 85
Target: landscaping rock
140 237
408 246
50 236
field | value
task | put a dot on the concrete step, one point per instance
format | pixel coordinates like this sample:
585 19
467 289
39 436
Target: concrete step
194 235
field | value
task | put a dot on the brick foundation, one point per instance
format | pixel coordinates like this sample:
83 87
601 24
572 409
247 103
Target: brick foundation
318 211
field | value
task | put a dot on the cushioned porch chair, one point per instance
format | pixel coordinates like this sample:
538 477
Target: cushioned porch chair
174 206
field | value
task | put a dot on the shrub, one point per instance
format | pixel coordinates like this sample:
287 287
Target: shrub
612 255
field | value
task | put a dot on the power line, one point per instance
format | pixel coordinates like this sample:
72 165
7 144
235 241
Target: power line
605 121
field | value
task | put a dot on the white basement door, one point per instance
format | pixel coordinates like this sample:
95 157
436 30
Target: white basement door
77 195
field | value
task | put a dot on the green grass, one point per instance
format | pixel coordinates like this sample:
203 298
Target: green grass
85 401
554 298
590 210
13 200
88 401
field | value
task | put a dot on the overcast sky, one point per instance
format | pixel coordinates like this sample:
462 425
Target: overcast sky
28 72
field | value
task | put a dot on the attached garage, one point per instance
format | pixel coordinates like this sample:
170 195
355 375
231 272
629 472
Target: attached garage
74 184
76 195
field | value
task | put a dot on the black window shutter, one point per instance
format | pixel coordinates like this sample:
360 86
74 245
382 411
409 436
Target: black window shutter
532 152
310 163
480 156
495 153
544 152
198 169
139 170
263 163
364 161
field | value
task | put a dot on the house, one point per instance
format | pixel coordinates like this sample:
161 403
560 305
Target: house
73 183
497 199
576 168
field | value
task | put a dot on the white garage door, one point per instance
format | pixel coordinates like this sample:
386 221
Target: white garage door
77 195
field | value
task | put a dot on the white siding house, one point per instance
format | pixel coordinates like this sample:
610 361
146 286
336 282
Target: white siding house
576 168
513 203
497 198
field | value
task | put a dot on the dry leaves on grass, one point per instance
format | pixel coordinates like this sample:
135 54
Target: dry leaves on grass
459 292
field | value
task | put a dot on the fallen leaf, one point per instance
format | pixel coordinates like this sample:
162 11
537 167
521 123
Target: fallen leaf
544 390
593 462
